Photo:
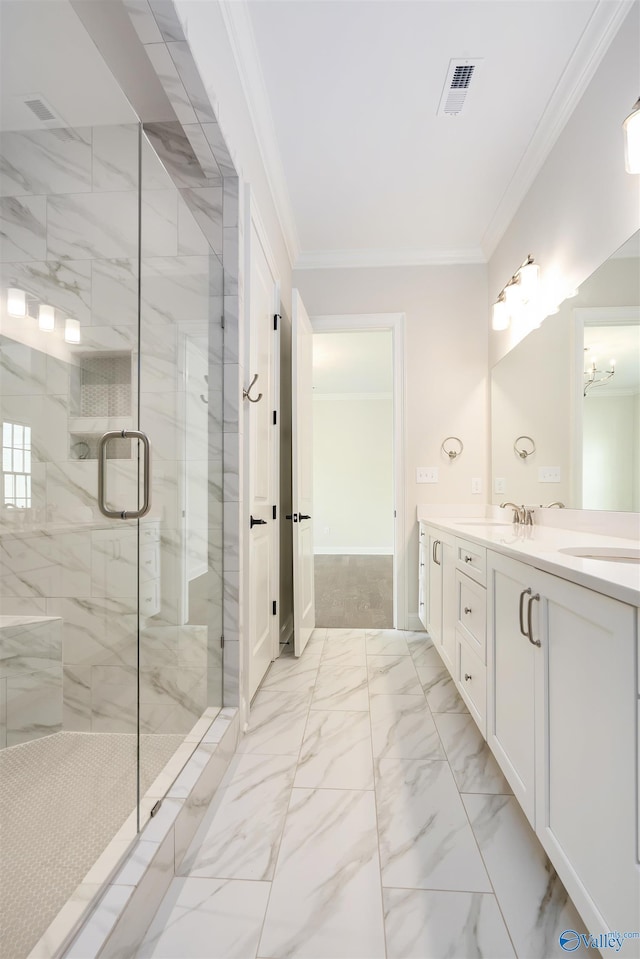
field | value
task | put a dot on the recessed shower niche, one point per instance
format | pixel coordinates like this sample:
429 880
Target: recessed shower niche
101 390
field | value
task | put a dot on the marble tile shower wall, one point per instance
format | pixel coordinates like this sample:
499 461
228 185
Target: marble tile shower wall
68 235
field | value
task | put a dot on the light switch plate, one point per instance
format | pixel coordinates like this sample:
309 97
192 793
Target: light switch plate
499 484
549 474
476 484
427 474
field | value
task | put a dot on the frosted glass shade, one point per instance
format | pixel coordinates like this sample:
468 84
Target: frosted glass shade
46 318
529 275
72 330
500 318
16 302
631 127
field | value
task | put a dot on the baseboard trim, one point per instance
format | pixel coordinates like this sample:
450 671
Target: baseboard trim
353 551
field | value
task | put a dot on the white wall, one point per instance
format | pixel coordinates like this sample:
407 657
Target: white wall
582 205
611 435
353 473
446 370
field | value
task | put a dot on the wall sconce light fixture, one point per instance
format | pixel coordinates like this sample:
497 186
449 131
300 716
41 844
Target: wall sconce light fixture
46 318
16 302
595 377
518 294
72 330
631 127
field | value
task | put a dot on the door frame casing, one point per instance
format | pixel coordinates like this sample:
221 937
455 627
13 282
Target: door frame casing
395 322
253 220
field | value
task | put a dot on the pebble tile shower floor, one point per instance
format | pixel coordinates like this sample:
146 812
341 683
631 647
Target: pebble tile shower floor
62 799
363 817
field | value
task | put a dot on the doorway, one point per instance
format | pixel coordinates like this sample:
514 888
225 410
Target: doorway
357 410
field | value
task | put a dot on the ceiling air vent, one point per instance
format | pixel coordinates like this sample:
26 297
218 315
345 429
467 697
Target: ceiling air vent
460 75
48 117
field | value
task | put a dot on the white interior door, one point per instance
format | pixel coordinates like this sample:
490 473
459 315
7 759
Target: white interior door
262 459
304 609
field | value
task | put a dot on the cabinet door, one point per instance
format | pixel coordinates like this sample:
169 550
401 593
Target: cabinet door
422 575
434 585
514 674
586 811
448 619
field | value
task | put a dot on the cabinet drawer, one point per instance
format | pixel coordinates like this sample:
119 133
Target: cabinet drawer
149 535
472 683
149 598
471 602
472 560
149 563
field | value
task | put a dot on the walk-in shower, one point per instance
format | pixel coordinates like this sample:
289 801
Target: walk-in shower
110 622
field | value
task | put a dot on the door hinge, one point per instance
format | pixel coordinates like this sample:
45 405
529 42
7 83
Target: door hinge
222 321
275 512
222 642
275 417
394 514
155 809
276 317
275 607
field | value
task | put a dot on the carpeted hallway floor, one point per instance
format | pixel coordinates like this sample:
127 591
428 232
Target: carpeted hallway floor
354 591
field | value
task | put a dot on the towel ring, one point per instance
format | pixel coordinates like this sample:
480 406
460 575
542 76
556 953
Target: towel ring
522 452
452 453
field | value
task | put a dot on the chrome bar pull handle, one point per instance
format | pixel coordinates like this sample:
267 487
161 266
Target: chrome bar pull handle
525 592
534 642
102 474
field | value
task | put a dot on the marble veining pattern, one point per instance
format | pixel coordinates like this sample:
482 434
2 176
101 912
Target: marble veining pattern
354 824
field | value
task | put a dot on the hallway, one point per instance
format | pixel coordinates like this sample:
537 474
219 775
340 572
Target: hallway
362 817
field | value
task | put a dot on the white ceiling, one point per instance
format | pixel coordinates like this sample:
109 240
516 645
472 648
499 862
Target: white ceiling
344 95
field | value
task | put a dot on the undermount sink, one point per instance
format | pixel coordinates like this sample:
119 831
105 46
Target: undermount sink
481 522
611 554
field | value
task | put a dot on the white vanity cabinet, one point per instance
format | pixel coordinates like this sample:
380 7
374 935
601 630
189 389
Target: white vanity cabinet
470 628
439 588
562 694
422 574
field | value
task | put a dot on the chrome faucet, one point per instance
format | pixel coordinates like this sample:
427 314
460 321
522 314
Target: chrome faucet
518 512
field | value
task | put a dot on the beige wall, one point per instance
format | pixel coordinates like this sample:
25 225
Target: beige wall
446 366
610 436
582 205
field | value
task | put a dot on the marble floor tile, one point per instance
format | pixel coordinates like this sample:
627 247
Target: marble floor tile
336 751
444 925
344 635
341 687
425 838
402 728
534 903
472 763
207 919
276 723
289 674
439 688
393 675
347 651
239 837
326 897
386 642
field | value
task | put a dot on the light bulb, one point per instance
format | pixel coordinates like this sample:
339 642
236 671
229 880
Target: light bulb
46 318
16 302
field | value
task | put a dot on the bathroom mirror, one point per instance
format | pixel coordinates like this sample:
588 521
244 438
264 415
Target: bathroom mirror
559 387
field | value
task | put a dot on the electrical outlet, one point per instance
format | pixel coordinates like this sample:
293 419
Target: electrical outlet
499 484
549 474
427 474
476 484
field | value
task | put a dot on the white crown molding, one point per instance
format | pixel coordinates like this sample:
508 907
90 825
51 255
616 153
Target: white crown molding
362 259
604 23
237 21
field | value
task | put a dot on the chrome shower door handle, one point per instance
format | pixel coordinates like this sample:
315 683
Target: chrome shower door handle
102 475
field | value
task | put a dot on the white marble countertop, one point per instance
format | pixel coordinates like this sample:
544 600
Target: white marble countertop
540 546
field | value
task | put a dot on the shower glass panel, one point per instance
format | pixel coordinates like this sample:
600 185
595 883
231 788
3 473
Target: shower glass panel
180 409
110 660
